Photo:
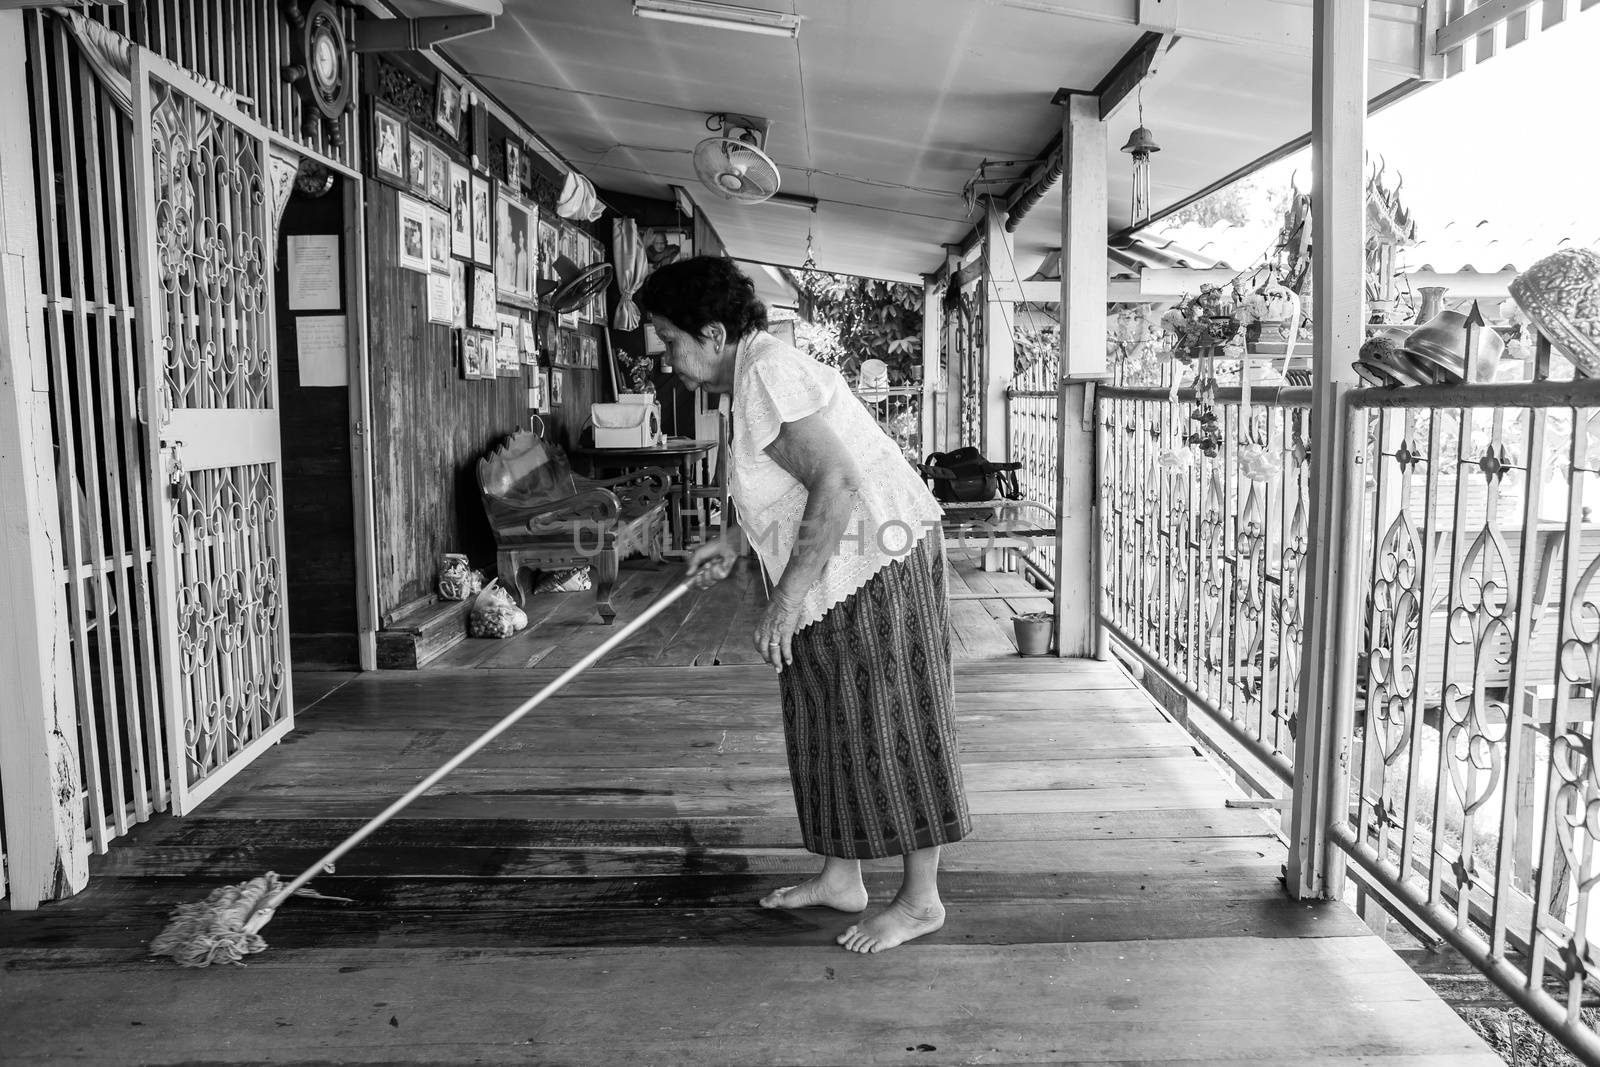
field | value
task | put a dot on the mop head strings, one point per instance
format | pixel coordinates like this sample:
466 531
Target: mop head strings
213 931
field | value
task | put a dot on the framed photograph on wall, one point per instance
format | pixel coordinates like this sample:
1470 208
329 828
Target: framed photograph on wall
570 244
514 164
438 240
568 349
666 244
536 399
447 106
557 377
388 145
460 194
589 351
549 249
507 350
516 231
413 234
597 305
440 310
438 175
471 360
484 313
482 221
458 294
417 162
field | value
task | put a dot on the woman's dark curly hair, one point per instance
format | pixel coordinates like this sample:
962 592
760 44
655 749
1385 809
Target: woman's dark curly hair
695 292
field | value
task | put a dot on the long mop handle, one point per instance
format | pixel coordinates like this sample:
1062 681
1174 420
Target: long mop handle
263 914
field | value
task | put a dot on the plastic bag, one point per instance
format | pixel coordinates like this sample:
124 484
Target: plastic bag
457 579
495 614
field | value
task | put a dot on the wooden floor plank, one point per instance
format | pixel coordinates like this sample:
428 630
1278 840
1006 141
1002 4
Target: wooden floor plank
536 804
1135 858
312 687
769 778
971 923
215 831
1294 1000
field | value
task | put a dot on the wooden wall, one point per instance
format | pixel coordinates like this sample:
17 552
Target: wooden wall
319 510
429 425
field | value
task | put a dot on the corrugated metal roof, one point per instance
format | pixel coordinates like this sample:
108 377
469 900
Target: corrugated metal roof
1160 248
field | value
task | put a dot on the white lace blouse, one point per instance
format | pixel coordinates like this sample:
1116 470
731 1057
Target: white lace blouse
775 383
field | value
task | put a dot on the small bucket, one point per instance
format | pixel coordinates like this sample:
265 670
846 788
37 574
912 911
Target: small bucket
1033 633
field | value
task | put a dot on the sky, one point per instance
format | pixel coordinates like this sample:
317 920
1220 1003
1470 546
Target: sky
1515 140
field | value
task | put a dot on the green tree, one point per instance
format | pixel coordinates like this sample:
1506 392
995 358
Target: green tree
873 319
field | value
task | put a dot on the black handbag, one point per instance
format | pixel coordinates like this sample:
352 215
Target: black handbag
964 476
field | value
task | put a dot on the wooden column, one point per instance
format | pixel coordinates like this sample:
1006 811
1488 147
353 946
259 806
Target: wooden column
1083 362
365 533
47 851
1322 745
932 320
950 385
999 346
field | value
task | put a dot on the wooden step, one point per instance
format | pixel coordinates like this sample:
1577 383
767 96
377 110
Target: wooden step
422 633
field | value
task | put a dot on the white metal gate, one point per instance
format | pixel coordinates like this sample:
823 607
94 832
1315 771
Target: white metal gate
204 237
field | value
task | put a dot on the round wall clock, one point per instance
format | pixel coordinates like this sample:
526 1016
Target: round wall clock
321 68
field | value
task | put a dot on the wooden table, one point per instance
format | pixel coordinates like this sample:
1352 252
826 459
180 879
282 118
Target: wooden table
677 451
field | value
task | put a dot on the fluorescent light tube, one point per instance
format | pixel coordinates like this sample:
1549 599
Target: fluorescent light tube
719 16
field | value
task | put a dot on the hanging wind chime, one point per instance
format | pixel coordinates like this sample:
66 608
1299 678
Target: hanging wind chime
1141 146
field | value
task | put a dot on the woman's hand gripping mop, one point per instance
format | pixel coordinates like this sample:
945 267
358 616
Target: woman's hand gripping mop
226 926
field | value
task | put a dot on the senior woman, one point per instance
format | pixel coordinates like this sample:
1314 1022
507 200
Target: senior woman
857 619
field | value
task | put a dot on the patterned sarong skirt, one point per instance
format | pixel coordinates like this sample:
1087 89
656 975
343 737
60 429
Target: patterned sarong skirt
869 717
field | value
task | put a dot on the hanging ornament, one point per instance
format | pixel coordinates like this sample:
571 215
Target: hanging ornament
1141 146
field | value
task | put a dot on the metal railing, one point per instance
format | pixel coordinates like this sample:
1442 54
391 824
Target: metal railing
1202 566
1473 794
898 409
1033 426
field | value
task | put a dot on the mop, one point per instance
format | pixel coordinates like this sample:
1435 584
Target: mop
226 926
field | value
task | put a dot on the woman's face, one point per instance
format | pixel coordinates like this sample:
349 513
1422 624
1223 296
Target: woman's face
697 362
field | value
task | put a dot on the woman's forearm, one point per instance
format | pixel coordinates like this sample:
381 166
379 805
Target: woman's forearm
830 505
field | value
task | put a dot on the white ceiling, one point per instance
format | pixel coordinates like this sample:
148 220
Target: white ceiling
883 109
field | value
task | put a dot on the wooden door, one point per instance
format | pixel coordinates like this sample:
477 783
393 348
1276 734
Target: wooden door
203 228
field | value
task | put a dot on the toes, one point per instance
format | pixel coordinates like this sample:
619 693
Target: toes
777 898
846 937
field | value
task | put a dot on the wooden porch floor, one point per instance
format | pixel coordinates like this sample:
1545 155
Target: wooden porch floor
584 892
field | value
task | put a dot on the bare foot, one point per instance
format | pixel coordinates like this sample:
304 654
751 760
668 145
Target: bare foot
817 893
894 925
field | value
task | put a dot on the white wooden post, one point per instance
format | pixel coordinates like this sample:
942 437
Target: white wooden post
47 851
1327 691
999 346
932 320
1083 362
362 477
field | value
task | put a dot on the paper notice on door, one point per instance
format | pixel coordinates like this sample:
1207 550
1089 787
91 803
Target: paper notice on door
312 273
321 342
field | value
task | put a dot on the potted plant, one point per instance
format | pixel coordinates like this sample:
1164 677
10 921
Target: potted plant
1033 632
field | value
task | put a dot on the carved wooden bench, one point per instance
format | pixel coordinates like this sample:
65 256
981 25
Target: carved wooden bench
544 518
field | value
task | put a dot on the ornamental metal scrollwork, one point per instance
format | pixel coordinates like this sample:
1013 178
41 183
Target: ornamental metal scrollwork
230 612
1392 665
